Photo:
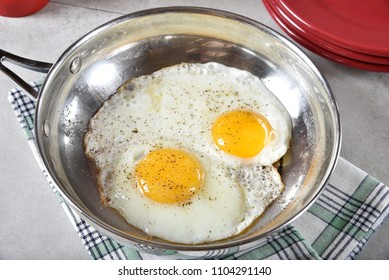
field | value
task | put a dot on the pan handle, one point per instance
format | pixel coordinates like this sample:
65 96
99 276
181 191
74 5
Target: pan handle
33 65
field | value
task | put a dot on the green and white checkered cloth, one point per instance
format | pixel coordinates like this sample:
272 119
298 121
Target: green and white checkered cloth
349 210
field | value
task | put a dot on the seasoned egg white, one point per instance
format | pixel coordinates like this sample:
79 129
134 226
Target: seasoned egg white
210 214
177 108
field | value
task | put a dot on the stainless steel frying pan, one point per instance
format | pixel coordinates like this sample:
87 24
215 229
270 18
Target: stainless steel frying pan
95 66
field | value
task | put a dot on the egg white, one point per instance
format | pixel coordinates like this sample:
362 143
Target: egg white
176 107
209 215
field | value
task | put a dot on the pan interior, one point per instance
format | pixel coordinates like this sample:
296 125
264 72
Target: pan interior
96 66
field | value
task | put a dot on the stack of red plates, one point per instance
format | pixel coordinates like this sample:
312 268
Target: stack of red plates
354 33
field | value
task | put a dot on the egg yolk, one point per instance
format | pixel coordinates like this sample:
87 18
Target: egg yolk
169 175
241 133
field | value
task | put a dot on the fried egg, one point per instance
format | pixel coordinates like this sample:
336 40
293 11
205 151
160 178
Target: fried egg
186 154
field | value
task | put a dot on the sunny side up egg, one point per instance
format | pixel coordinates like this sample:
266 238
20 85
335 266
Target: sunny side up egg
186 154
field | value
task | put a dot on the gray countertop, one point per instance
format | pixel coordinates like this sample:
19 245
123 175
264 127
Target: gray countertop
34 225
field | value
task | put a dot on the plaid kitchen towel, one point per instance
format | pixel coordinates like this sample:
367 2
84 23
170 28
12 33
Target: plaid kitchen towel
349 210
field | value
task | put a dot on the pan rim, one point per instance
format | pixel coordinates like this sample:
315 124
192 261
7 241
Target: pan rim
122 236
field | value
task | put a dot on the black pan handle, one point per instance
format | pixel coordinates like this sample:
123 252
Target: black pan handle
37 66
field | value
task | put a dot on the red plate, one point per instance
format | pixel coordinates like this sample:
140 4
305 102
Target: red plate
324 43
358 25
321 51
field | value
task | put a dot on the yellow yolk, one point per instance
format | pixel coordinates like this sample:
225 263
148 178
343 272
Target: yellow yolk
169 175
241 133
